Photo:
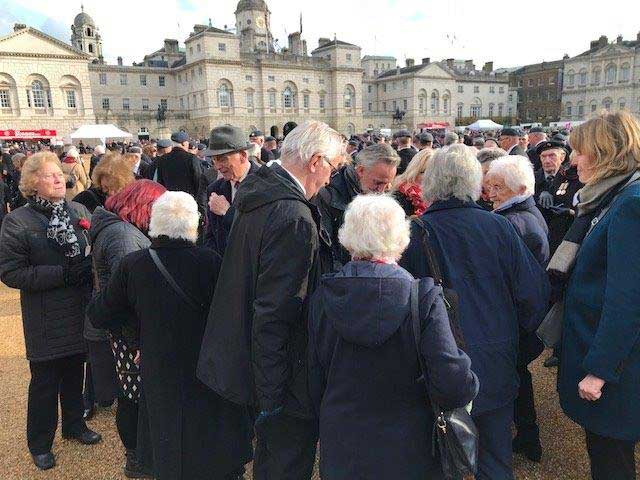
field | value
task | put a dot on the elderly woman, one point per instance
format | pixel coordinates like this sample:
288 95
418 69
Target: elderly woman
485 157
500 285
363 362
511 187
195 434
43 252
16 199
407 188
600 357
76 176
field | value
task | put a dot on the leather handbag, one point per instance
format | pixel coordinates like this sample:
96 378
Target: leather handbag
451 300
455 436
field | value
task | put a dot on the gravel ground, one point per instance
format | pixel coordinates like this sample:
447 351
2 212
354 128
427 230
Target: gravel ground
563 444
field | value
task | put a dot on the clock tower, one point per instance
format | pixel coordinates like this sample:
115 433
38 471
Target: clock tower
253 26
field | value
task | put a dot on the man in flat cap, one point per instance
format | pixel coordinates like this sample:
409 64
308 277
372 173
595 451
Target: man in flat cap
271 144
352 148
425 140
537 135
509 142
257 137
180 170
228 152
405 149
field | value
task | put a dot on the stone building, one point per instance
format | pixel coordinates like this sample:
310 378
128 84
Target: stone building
85 36
605 77
539 88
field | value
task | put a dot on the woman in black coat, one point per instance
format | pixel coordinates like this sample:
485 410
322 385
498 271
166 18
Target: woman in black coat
195 434
376 420
44 252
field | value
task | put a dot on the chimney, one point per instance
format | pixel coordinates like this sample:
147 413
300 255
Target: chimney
322 41
19 26
619 39
427 60
594 44
199 28
603 41
119 61
488 67
469 66
638 37
449 62
566 56
170 45
295 43
410 62
304 48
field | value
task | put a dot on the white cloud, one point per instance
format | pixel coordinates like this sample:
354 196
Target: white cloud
501 31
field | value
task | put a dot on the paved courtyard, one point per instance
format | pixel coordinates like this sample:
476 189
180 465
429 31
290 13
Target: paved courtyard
564 453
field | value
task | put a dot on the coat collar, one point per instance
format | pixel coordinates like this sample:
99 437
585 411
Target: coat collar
524 205
452 203
166 242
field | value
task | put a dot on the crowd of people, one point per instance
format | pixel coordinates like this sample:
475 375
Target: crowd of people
248 298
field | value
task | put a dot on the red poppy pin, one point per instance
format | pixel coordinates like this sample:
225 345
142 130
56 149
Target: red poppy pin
84 224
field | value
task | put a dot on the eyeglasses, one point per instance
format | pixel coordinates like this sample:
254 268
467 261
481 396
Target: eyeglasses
334 170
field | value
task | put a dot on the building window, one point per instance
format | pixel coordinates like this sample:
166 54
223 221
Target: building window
421 103
580 109
551 81
435 103
305 101
492 89
224 96
404 84
583 78
570 78
624 73
384 87
404 105
460 110
305 80
190 50
103 79
37 92
202 99
125 104
569 109
540 82
200 71
248 78
491 110
163 103
272 100
500 109
622 104
250 100
475 111
611 74
321 81
370 106
511 97
195 101
607 104
145 104
595 77
71 99
123 79
445 105
594 107
531 82
395 105
349 95
329 57
501 90
287 98
369 88
198 48
460 90
222 47
271 78
181 103
143 80
384 106
5 100
105 104
161 81
348 57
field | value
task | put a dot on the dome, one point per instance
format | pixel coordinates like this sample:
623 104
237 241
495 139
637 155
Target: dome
244 5
83 19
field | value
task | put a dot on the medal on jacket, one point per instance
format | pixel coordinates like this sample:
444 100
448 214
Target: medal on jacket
563 188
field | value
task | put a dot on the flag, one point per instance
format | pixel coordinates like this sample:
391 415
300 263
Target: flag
300 23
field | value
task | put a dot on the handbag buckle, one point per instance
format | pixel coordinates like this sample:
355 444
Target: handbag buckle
441 424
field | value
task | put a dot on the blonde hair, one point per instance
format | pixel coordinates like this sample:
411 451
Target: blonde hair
414 169
611 141
29 174
112 174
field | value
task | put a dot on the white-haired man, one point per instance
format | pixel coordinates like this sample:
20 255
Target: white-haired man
374 172
255 346
98 153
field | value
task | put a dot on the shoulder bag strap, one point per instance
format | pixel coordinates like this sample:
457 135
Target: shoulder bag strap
167 276
434 266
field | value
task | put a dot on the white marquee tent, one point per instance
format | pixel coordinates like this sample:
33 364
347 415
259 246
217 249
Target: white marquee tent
102 132
481 125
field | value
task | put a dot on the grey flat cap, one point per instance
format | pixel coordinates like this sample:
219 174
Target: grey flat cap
226 139
165 143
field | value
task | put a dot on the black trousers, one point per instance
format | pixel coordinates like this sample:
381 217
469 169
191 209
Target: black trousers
524 408
285 448
611 459
127 422
52 379
101 382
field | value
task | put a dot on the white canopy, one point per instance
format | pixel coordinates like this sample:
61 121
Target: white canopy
100 132
484 125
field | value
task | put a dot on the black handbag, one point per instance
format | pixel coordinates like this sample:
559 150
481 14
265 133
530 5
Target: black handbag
455 436
451 300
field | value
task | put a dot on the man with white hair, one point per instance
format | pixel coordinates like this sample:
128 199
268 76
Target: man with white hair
98 153
451 138
255 346
374 172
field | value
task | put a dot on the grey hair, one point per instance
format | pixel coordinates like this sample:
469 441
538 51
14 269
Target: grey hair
453 173
516 171
174 215
378 153
309 139
254 150
375 227
478 142
450 138
490 154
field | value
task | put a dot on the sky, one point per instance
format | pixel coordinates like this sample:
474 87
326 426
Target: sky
503 31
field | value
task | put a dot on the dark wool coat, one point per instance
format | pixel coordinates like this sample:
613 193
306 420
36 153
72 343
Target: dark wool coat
601 330
500 286
195 434
52 313
219 226
91 198
178 170
255 347
375 417
406 155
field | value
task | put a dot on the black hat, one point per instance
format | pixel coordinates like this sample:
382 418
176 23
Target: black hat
402 134
193 144
536 130
164 143
559 137
549 145
269 139
201 146
425 138
354 143
226 139
510 132
256 133
180 137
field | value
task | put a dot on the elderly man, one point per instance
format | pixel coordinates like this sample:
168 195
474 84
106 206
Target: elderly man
141 168
406 150
486 156
352 148
374 172
228 149
255 346
536 137
509 141
271 144
257 137
450 138
98 153
425 140
180 170
523 140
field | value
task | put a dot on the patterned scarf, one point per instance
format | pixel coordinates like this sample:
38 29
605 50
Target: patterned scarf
60 229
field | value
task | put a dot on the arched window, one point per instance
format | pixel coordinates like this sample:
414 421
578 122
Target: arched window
475 110
593 106
500 109
571 78
625 73
611 73
225 95
88 32
583 77
446 101
349 97
606 104
287 98
422 101
491 107
435 102
595 76
622 104
569 109
37 94
91 48
460 110
580 109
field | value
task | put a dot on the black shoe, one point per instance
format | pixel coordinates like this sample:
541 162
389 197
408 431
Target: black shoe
529 447
133 468
89 413
551 362
44 461
87 437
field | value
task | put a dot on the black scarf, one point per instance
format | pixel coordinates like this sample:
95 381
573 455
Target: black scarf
60 230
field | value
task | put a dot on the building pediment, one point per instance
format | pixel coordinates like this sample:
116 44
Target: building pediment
31 42
435 70
613 50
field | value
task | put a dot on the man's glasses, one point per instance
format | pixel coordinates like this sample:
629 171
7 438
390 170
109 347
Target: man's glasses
334 170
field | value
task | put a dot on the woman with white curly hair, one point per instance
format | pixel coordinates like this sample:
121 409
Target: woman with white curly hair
363 362
195 434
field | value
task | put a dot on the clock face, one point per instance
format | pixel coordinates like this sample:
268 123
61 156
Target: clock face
260 22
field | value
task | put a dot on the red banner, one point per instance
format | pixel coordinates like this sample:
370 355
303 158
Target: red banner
434 125
27 134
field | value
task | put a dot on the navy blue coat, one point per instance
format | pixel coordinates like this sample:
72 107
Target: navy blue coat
375 418
601 331
531 226
500 284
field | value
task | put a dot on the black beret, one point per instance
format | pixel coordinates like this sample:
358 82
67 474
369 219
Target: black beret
537 130
510 132
550 145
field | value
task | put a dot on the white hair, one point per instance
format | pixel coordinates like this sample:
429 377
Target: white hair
174 215
309 139
453 173
375 226
73 153
516 171
99 150
254 150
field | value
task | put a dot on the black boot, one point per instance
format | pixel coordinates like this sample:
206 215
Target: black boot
44 461
133 468
528 444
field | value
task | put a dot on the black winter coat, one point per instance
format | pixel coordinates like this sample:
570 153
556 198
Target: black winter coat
178 170
376 421
52 313
255 347
406 155
195 434
91 198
